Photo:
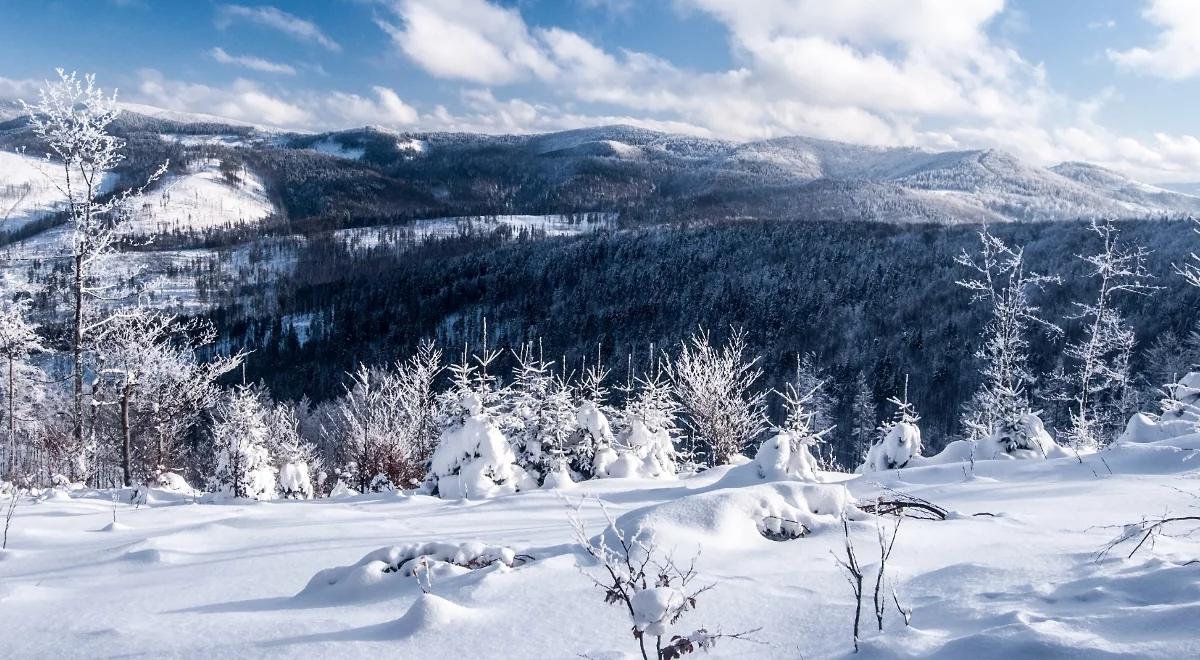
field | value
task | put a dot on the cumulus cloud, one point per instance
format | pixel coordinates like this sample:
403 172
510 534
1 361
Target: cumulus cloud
276 19
1175 53
251 62
471 40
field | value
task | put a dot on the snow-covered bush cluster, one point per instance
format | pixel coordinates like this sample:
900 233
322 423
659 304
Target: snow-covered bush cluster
424 561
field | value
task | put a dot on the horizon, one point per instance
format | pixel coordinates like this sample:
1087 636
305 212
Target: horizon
1106 83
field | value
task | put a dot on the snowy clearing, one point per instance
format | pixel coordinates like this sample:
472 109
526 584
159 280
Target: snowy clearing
205 198
26 193
204 580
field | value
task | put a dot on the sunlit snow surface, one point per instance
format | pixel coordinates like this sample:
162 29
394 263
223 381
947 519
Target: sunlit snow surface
29 189
179 579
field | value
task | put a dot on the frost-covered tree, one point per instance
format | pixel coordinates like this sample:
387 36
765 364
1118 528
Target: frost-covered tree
898 440
72 119
18 340
243 466
297 459
147 367
862 418
808 379
385 426
715 390
1101 356
1191 271
1001 281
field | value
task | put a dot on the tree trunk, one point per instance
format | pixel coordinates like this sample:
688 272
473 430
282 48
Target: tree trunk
126 440
77 366
12 423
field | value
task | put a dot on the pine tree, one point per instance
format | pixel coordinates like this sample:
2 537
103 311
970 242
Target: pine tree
243 466
863 419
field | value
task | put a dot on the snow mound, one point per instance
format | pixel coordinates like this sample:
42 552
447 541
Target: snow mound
430 613
741 518
1127 609
1180 415
428 559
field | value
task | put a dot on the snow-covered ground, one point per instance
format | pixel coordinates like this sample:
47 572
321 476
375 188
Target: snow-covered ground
366 238
29 190
201 199
181 579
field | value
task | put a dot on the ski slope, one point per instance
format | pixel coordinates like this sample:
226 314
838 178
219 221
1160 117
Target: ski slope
175 578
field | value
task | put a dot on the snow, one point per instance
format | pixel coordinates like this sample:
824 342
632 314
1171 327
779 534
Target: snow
26 194
201 199
199 580
332 147
367 238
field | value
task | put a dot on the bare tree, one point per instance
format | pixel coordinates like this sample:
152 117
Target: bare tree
72 119
715 387
1102 354
1002 282
854 575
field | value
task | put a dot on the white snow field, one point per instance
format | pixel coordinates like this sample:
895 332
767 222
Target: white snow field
201 199
288 579
29 189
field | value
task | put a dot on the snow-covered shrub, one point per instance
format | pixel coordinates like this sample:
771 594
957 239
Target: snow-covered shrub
715 390
781 457
474 459
1180 414
899 440
243 465
655 590
1027 438
432 560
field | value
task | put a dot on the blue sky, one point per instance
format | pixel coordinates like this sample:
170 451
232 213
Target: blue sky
1108 81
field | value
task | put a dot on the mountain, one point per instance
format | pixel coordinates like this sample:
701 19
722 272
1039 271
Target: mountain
373 176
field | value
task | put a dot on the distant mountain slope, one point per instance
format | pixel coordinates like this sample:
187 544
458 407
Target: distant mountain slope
372 176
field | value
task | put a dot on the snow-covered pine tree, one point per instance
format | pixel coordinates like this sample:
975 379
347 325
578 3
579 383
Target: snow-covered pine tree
243 466
71 118
473 457
296 458
1101 356
715 390
1002 282
789 453
541 413
649 425
899 439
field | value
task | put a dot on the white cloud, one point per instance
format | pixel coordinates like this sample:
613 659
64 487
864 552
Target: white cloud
276 19
1175 54
385 109
247 101
251 62
471 40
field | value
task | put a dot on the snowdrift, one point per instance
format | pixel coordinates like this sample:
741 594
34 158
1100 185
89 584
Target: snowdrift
428 560
741 518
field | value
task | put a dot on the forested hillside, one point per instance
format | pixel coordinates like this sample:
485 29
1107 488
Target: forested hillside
870 300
